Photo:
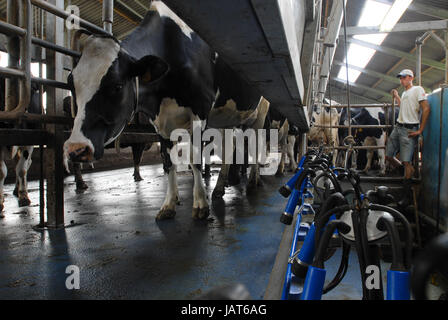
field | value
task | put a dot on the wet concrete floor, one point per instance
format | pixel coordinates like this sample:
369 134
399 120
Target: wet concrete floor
123 253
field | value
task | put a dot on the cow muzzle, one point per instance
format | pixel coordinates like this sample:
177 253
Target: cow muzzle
79 152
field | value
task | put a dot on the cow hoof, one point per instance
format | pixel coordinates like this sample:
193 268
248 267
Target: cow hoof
24 202
201 213
218 194
279 173
166 214
138 178
16 192
81 186
251 187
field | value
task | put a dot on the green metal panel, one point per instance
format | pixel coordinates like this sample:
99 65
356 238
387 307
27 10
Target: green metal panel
434 153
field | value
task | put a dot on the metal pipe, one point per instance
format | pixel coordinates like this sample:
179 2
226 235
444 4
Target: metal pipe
383 105
108 15
23 9
64 15
419 62
446 56
354 126
438 39
11 73
52 46
354 147
11 30
346 69
51 83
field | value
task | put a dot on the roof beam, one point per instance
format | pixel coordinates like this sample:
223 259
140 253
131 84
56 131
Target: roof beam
424 9
373 73
398 53
400 27
373 90
340 90
429 10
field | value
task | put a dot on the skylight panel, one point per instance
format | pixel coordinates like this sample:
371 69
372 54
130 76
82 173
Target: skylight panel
372 14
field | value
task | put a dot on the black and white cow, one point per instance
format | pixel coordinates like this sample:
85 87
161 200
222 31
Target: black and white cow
286 139
369 136
140 120
180 78
23 154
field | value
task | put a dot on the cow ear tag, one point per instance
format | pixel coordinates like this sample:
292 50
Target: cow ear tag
146 77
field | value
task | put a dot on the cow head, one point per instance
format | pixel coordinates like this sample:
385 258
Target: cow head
105 94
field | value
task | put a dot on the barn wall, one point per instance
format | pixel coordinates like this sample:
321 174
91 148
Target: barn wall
434 156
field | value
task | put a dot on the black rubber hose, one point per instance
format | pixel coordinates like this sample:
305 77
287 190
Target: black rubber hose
326 236
337 186
434 255
360 252
323 217
409 234
387 223
363 216
343 267
303 175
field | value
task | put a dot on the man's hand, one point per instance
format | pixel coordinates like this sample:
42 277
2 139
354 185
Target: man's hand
414 134
394 93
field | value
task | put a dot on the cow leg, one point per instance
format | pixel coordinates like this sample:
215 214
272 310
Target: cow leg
290 151
80 183
254 177
22 167
3 173
200 203
137 154
369 161
382 154
221 183
281 165
168 209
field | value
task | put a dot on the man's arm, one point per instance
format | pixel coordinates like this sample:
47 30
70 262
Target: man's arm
396 96
425 115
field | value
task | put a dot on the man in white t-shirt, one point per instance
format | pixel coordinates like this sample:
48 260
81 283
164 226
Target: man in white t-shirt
403 138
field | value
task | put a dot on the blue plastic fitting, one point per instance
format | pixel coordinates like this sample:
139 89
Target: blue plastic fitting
306 254
288 215
314 284
398 285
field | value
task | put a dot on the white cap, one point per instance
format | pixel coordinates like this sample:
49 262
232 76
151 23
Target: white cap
405 72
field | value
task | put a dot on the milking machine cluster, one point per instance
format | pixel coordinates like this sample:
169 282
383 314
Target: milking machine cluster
342 218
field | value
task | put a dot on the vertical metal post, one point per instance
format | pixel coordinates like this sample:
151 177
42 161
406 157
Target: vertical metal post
108 15
419 44
349 111
446 57
13 47
54 156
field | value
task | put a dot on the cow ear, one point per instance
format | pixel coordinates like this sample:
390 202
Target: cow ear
150 69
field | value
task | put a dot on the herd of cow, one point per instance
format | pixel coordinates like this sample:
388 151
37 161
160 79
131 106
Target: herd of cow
321 131
164 73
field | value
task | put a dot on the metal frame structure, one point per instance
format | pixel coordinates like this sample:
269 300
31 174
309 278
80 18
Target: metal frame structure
20 25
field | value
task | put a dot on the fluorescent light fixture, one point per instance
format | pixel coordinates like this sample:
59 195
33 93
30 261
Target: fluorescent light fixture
394 14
